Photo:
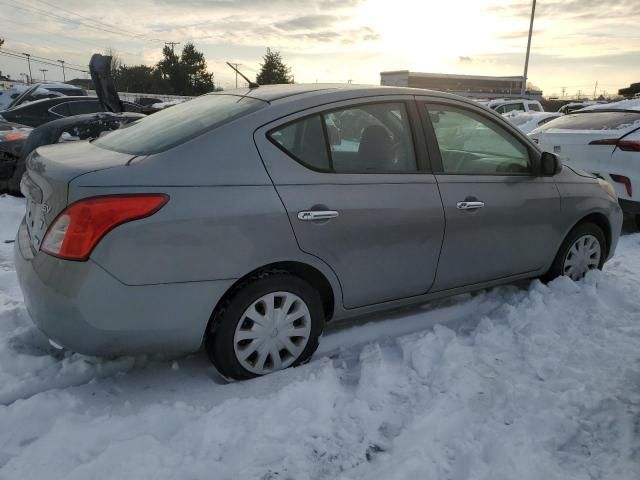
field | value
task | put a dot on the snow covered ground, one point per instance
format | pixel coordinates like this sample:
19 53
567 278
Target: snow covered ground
522 382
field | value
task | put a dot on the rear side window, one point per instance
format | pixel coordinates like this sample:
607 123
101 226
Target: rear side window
79 108
61 109
372 138
534 107
304 140
178 124
595 120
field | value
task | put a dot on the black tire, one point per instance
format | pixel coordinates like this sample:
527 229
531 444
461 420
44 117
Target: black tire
578 231
219 341
637 218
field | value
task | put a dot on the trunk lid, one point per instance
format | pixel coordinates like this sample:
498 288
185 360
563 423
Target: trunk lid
50 169
573 146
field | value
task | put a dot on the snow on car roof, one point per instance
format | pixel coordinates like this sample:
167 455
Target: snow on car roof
630 104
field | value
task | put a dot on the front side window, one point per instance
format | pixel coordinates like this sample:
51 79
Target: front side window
472 144
372 138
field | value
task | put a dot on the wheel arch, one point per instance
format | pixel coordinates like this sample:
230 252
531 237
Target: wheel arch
601 221
306 272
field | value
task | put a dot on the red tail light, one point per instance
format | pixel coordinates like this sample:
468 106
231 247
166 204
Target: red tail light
626 145
623 180
606 141
629 145
79 228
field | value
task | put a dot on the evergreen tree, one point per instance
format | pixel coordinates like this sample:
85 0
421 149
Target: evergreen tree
186 74
194 71
273 70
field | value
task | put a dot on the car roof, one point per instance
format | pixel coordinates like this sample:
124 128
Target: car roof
63 99
272 93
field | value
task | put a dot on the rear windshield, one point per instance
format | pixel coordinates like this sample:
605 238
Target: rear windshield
178 124
595 121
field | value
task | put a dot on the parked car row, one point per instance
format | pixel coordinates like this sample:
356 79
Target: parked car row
58 117
246 220
44 90
602 141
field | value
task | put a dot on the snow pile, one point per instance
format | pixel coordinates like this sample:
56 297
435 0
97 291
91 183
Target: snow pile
523 383
630 104
529 121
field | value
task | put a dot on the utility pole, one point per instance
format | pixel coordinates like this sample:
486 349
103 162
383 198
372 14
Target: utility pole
526 61
595 89
236 69
28 55
64 77
173 44
44 74
579 94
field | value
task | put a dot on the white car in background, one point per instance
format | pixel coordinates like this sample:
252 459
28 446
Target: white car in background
506 105
528 121
603 141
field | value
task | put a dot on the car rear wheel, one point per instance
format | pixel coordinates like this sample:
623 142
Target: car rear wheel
583 250
271 322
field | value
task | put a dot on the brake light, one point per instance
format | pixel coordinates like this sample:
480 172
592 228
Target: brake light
629 145
626 145
78 229
606 141
623 180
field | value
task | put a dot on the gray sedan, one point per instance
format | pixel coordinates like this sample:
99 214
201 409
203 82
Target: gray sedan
246 220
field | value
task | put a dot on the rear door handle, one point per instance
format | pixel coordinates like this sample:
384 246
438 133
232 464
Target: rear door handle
310 215
469 205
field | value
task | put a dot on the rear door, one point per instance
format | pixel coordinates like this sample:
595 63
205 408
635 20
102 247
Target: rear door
499 215
359 194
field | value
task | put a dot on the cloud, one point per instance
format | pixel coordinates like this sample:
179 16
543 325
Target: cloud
308 22
464 59
575 9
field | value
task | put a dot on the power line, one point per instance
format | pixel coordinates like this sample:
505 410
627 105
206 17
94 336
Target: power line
42 58
39 11
30 58
99 22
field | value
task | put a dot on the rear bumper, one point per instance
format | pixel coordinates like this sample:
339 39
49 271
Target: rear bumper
83 308
629 206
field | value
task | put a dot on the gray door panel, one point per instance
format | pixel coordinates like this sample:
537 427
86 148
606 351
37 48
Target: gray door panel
510 235
385 242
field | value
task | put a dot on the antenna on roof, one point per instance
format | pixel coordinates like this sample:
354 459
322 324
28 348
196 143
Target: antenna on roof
251 84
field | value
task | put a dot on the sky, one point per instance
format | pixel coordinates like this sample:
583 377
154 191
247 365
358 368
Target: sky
576 43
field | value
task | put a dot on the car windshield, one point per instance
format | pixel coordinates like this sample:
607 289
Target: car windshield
594 120
178 124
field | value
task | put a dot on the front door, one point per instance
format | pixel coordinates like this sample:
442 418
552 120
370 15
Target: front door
498 213
357 194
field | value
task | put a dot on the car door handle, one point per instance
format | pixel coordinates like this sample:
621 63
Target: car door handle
317 214
469 205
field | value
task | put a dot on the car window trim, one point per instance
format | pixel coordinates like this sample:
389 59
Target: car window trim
422 163
430 134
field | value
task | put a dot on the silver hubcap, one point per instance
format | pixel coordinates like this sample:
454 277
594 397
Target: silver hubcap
584 255
272 332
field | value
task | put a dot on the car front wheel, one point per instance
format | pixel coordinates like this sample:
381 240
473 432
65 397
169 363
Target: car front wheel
271 322
584 249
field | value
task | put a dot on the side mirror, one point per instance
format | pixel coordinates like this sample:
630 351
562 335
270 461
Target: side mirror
550 164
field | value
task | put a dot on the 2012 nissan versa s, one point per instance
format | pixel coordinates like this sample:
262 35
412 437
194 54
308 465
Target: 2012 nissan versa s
249 219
